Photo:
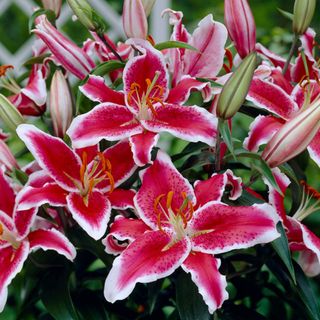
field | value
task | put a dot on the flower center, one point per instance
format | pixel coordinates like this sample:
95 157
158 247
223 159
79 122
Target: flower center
146 98
177 218
310 202
6 235
92 175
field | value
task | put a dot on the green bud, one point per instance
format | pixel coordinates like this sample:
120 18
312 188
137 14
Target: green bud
236 88
302 15
9 114
86 15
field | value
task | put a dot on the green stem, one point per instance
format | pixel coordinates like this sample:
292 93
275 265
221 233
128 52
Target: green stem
101 37
218 149
291 53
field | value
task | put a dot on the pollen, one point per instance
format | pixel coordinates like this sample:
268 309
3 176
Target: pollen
4 68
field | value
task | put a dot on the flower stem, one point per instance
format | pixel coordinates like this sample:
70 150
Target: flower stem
101 37
291 53
218 149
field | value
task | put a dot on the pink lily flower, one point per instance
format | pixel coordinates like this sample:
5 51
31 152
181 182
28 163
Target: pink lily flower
7 159
134 19
144 109
186 228
83 180
209 38
300 238
71 57
17 240
241 26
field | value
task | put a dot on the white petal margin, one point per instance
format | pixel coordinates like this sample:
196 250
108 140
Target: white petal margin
210 282
147 259
3 298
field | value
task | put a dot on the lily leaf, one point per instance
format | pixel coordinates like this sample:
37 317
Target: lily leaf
174 44
281 246
190 303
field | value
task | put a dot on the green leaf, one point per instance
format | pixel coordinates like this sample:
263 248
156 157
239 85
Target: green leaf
306 293
213 83
55 294
189 149
174 44
190 303
286 14
49 13
281 246
258 164
107 67
224 129
36 60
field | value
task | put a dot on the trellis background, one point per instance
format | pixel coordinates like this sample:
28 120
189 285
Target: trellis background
16 43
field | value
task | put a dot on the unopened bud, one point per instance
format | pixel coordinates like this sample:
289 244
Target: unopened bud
241 26
6 157
148 5
54 5
9 114
236 88
60 104
294 137
134 19
86 15
302 15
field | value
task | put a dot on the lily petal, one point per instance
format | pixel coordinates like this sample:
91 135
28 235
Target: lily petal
220 228
145 260
92 218
30 197
52 240
190 123
7 199
209 38
261 131
96 90
181 92
269 96
47 150
314 149
159 179
106 121
123 229
205 274
122 199
142 145
11 263
23 221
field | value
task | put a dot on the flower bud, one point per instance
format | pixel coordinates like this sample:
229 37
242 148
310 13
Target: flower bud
302 15
294 137
60 104
241 26
6 157
135 24
148 5
54 5
86 15
236 88
9 114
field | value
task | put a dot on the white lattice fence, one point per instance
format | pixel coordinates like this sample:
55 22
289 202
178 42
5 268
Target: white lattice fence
158 25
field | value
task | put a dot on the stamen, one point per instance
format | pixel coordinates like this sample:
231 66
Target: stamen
83 166
4 68
169 199
1 229
111 179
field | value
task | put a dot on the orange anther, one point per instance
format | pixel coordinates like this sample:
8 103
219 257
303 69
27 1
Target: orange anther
169 199
83 165
1 229
151 40
4 68
310 190
111 180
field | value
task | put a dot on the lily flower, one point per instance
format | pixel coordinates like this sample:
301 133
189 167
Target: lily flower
71 57
209 39
144 109
300 238
241 26
83 180
17 240
185 227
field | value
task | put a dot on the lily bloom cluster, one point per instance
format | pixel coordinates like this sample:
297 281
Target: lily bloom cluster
102 169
